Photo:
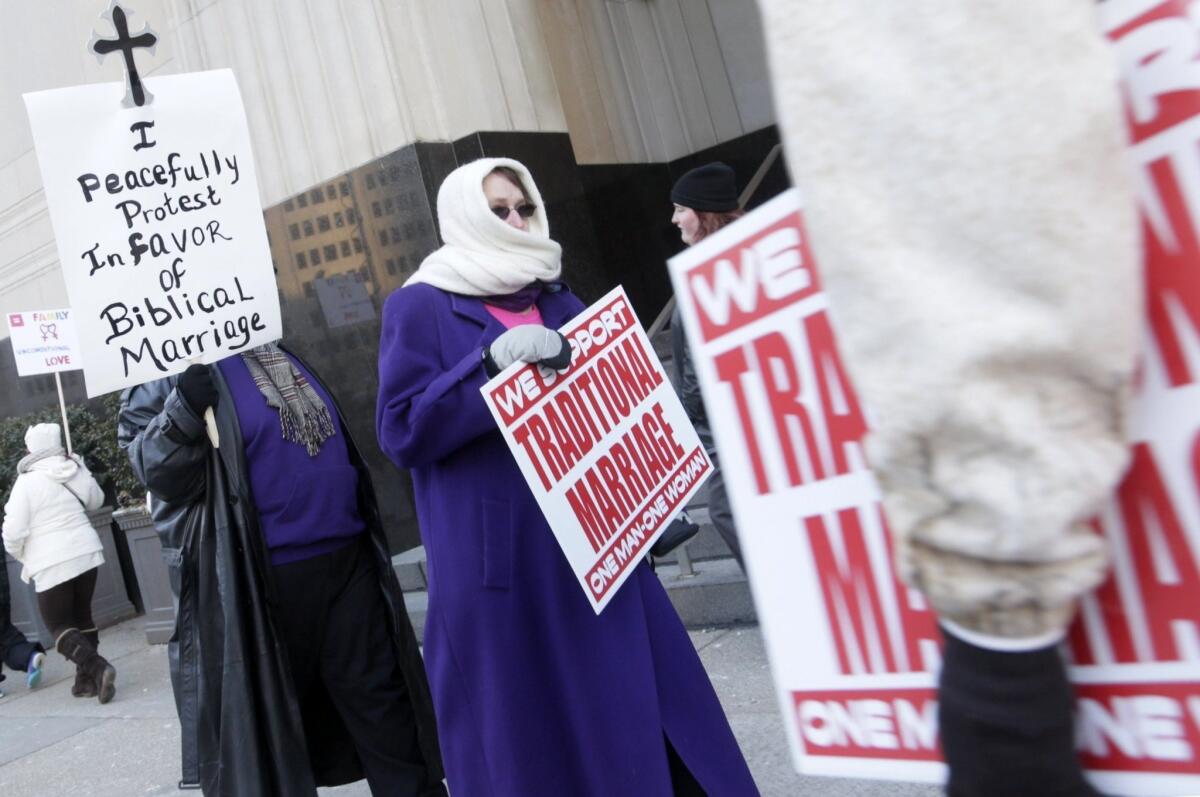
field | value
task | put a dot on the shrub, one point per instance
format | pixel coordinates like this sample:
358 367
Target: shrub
94 437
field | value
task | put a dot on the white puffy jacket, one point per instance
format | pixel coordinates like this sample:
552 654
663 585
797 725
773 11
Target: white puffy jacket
44 523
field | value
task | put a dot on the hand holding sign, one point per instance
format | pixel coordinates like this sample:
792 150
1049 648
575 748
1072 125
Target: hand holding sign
199 391
197 388
605 445
530 343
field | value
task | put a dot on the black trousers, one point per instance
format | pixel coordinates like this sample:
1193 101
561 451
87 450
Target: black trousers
15 649
721 514
69 604
333 621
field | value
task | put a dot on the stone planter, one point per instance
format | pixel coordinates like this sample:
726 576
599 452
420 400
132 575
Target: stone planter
24 605
110 603
145 551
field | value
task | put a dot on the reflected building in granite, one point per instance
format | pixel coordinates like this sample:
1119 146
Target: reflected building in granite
358 110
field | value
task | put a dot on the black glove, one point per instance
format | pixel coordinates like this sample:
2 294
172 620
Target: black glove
1006 723
197 388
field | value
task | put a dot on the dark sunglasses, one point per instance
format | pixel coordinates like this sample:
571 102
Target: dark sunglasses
524 211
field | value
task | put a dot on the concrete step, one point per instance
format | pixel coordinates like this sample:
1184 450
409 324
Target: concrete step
714 594
410 569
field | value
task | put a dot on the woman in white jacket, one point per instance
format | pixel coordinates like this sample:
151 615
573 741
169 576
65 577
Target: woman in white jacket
46 529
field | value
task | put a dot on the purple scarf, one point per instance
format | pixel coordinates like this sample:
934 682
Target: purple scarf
518 301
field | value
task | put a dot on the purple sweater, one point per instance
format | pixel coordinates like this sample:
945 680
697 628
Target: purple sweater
307 506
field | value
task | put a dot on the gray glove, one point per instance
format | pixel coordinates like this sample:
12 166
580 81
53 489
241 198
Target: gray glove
530 343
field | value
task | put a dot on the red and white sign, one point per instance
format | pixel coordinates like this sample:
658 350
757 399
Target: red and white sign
854 651
605 444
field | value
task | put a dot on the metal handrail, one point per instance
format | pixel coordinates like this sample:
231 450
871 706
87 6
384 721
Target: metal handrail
759 175
661 320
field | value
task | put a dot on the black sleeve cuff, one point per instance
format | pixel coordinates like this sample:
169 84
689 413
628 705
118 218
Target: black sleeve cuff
563 358
489 365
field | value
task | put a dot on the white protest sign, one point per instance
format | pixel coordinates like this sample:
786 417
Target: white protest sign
158 224
44 341
854 652
605 445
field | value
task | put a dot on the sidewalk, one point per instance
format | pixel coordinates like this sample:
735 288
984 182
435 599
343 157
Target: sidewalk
52 743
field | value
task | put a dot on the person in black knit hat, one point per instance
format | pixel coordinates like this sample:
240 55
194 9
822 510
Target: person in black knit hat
706 199
711 188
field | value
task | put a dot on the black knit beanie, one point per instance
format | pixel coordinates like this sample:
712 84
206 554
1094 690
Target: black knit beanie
710 187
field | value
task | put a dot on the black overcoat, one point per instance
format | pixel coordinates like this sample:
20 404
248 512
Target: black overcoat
240 718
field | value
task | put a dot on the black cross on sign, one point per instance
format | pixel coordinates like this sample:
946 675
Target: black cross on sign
135 92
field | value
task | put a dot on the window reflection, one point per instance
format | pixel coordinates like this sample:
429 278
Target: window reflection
341 247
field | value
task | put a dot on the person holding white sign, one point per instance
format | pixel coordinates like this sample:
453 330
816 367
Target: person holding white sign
47 530
290 615
536 694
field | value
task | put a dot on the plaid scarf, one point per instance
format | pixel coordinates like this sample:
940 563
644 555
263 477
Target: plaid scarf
302 414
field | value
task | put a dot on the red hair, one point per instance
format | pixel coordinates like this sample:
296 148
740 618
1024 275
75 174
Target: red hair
710 222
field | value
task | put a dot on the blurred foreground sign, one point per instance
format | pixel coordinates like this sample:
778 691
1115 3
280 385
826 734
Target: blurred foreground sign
853 651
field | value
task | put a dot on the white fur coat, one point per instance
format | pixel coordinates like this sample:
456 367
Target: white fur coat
964 170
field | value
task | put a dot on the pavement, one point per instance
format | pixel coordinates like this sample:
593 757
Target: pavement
54 744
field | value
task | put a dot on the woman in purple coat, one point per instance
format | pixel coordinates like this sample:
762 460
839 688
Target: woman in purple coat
534 693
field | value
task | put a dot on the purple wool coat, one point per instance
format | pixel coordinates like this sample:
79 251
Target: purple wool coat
534 693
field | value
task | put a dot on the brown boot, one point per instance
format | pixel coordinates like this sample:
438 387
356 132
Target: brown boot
84 686
77 648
